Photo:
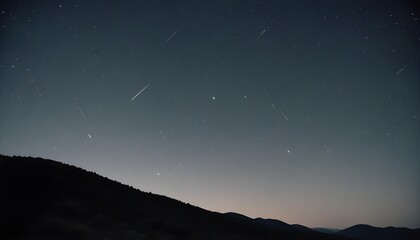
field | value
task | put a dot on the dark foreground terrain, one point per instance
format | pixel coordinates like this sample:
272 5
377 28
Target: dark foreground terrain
45 199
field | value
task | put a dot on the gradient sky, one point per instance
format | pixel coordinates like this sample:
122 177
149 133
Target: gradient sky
303 111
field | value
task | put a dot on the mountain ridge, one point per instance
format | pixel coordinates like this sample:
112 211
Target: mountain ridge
47 199
366 232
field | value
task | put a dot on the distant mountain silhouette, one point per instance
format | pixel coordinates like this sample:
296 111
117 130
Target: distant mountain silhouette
272 223
326 230
366 232
45 199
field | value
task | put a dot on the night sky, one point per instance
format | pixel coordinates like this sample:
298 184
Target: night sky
303 111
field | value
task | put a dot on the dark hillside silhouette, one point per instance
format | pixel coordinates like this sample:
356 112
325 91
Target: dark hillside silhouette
366 232
45 199
326 230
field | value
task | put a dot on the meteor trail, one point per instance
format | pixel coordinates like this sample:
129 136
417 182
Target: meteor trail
262 33
173 34
179 164
284 116
140 92
400 70
281 112
272 105
83 115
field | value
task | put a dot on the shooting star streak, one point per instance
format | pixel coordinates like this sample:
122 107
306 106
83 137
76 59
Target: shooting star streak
173 34
281 112
89 136
272 21
284 116
400 70
272 105
179 164
80 111
140 92
262 33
